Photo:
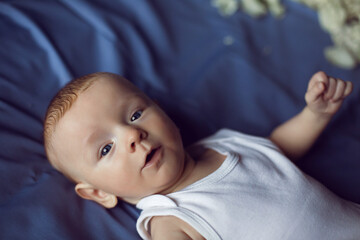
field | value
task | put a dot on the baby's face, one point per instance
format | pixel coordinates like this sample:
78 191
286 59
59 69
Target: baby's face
119 141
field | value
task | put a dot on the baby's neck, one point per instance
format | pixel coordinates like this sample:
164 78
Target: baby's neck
195 169
185 178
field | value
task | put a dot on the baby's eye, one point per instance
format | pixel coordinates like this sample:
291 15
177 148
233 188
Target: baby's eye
136 115
106 150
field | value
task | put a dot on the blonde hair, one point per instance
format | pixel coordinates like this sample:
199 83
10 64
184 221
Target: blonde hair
58 107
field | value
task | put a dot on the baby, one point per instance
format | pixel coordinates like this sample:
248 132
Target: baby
114 142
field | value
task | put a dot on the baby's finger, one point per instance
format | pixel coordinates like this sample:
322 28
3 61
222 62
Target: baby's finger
317 77
339 91
315 92
330 91
348 88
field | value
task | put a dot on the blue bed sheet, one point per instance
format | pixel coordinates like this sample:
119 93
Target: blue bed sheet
205 70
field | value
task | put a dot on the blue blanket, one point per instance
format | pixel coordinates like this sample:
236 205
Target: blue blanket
205 70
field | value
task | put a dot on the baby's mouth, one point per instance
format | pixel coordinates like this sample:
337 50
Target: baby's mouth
152 156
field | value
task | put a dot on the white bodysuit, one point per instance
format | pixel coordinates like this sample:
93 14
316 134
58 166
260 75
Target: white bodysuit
257 193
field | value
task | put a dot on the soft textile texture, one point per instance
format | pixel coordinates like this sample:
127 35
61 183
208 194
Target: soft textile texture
207 71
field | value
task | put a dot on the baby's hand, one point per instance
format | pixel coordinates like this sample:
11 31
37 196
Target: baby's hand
325 94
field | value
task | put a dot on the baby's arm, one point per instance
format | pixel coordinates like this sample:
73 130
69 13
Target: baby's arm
170 227
324 97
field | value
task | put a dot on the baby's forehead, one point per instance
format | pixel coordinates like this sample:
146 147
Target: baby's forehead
105 92
110 88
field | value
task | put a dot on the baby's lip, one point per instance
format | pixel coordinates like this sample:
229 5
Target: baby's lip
151 156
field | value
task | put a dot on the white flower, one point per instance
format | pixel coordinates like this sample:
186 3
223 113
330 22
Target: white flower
226 7
340 18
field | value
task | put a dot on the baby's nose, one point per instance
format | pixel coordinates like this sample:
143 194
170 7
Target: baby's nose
135 136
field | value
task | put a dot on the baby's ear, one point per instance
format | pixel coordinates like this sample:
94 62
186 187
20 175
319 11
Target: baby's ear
87 191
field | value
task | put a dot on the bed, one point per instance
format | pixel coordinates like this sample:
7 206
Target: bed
207 71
